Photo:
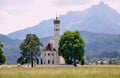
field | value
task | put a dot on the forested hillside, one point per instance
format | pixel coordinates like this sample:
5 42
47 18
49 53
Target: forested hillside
97 44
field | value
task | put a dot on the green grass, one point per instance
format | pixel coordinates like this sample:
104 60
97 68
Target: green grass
101 71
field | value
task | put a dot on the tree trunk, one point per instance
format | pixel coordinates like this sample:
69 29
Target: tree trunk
31 59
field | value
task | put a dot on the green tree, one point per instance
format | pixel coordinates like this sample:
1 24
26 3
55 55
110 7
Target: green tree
2 56
30 49
71 47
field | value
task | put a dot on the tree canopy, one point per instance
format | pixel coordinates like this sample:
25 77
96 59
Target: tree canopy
30 49
2 56
71 47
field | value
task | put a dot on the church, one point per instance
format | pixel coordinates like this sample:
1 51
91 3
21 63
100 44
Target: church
49 54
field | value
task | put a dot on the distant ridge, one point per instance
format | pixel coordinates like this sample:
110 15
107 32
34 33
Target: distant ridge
99 18
11 48
96 43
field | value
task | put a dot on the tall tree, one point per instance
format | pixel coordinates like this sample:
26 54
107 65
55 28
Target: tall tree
30 49
71 47
2 56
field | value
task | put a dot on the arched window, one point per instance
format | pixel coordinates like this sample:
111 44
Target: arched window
52 61
48 54
48 61
52 54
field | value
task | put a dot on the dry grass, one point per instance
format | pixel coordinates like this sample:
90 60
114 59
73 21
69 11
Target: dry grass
103 71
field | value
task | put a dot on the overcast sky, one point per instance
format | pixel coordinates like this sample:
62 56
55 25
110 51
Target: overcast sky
19 14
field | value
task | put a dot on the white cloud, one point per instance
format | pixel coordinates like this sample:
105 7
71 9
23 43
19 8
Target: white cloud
71 2
15 2
19 14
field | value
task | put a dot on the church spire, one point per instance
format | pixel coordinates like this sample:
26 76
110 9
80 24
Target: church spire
56 17
56 21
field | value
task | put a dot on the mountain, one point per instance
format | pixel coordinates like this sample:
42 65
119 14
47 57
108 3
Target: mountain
96 43
99 46
99 18
11 48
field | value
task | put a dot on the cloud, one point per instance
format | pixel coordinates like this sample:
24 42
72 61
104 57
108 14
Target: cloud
14 2
71 2
19 14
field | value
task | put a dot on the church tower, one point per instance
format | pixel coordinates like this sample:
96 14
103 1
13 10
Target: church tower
49 55
56 33
57 37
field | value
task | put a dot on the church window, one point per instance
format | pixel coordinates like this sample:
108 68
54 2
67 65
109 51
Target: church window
48 61
48 54
57 29
52 54
52 61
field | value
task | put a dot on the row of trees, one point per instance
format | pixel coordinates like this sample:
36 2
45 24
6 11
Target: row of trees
71 47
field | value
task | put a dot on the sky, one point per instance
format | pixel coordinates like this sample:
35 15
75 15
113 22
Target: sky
20 14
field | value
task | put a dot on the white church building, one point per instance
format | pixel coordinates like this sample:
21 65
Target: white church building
49 54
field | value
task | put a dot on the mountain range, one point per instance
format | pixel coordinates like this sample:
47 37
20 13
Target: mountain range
11 48
96 43
99 18
99 26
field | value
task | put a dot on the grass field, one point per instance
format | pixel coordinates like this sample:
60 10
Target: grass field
98 71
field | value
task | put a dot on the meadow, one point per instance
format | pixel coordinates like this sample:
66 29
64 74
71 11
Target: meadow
87 71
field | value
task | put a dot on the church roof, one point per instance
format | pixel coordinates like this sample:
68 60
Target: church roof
56 21
49 46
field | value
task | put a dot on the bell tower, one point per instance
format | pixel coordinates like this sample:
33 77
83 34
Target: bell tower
56 33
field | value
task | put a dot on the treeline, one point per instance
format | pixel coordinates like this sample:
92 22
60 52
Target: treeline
112 57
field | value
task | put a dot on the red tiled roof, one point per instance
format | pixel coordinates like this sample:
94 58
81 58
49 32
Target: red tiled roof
49 47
